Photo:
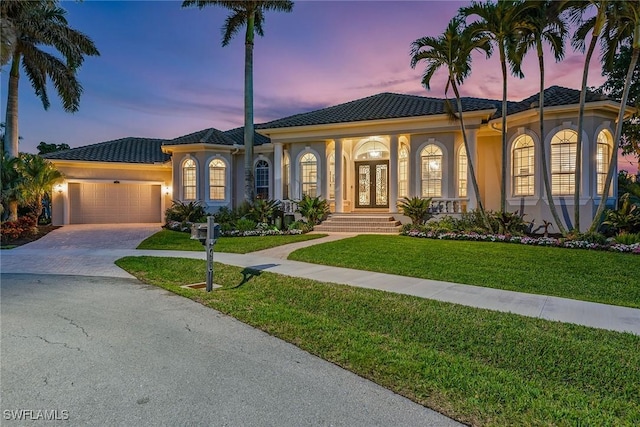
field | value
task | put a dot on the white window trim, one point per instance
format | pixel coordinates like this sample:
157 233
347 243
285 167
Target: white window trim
270 180
227 182
538 184
297 185
181 177
605 126
567 199
445 167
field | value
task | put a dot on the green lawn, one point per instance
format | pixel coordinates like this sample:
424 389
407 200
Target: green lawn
478 366
605 277
178 241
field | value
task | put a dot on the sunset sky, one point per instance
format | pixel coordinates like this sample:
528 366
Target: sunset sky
163 73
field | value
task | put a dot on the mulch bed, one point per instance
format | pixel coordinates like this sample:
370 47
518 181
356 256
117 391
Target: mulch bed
43 230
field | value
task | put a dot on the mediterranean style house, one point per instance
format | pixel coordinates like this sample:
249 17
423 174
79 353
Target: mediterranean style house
362 156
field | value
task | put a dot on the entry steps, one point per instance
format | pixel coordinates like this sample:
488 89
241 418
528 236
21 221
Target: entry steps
359 223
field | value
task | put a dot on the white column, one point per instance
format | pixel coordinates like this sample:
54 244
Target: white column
277 170
472 156
339 176
393 173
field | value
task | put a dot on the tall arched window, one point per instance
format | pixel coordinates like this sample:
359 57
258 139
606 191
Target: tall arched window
563 162
262 179
431 161
462 172
603 156
523 166
286 173
217 179
189 181
403 172
309 175
332 176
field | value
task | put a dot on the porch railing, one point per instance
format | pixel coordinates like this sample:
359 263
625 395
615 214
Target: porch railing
448 206
288 206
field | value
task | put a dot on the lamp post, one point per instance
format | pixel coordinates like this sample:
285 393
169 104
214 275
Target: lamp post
208 235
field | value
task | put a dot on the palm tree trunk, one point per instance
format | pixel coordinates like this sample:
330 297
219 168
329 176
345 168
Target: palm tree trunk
583 101
503 183
472 172
616 139
248 109
11 134
11 130
543 150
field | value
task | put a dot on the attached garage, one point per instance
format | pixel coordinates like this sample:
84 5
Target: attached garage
104 203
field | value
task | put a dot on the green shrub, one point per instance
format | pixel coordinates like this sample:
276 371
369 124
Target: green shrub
225 216
245 224
508 222
13 230
417 209
314 209
264 211
626 219
627 238
189 212
591 237
299 225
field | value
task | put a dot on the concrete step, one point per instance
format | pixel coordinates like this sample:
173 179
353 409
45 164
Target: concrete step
359 223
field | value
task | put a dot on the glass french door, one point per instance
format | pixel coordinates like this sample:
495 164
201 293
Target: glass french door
373 184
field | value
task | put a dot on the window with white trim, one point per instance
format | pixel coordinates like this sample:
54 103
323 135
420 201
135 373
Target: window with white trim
563 162
286 168
523 166
262 179
189 181
309 175
217 179
431 165
332 176
603 156
403 172
462 172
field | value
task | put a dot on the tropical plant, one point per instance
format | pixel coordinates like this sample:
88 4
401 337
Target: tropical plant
502 23
417 209
39 176
452 51
264 211
11 179
629 184
627 238
250 14
182 211
623 23
245 224
626 219
38 28
314 209
544 24
510 222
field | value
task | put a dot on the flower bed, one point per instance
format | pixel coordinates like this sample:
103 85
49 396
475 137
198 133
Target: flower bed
526 240
185 227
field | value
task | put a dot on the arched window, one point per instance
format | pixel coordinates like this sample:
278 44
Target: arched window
189 181
217 179
431 160
603 156
309 175
563 162
286 168
462 172
332 176
523 166
262 179
403 172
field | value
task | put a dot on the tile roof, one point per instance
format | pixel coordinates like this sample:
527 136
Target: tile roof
382 106
553 96
124 150
237 135
205 136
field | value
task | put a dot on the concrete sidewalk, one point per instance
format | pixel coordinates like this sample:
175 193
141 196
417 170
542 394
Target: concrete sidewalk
100 263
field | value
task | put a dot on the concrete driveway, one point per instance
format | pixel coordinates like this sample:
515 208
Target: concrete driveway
113 351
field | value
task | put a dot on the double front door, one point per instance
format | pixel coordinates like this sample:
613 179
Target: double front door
373 184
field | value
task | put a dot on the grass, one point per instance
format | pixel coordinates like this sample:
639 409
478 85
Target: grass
179 241
605 277
477 366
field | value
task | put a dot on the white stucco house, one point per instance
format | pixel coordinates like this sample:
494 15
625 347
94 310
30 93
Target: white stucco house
362 156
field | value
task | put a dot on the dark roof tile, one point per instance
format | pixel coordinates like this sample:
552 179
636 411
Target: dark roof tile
125 150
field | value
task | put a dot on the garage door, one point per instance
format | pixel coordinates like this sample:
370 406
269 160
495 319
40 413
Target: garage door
104 203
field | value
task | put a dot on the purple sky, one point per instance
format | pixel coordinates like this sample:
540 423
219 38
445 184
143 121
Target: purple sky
163 73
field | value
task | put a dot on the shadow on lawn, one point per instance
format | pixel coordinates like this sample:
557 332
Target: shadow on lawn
254 271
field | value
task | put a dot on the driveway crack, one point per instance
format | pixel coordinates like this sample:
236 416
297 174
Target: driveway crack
64 344
74 324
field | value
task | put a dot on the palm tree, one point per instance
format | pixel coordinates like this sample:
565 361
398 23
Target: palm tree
545 25
39 25
452 51
594 25
11 180
623 23
39 176
248 13
502 23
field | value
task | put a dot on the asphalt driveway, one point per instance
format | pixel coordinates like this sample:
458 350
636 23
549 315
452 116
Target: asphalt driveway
113 351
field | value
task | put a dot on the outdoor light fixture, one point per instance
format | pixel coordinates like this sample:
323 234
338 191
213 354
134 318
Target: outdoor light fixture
167 190
59 188
375 153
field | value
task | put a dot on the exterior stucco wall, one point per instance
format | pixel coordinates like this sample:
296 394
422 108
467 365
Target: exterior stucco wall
489 170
